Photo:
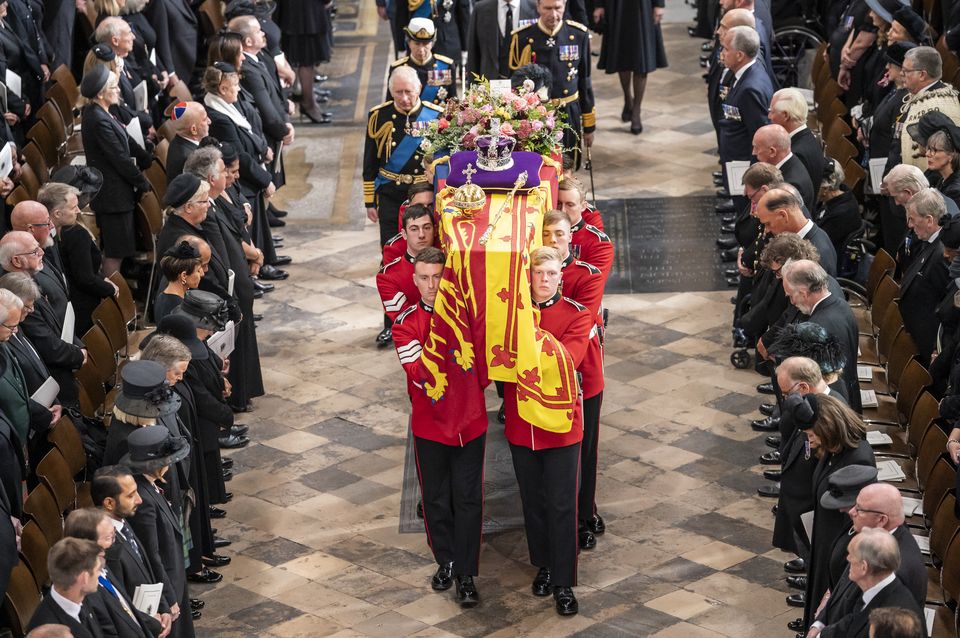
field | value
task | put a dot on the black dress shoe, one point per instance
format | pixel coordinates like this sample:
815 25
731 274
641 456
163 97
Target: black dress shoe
196 603
233 442
205 576
727 242
797 600
795 625
196 614
227 497
262 287
797 582
257 294
725 205
733 282
442 580
729 255
216 512
219 542
467 594
420 509
773 510
731 272
272 273
276 223
769 491
596 525
769 424
502 414
238 409
565 601
215 561
238 430
257 316
277 212
770 458
320 78
728 219
707 46
281 260
766 409
723 193
773 441
765 388
226 463
771 475
277 238
727 228
795 566
227 475
385 338
718 181
585 538
541 584
717 174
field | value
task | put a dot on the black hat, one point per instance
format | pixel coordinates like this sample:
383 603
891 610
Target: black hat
236 8
886 8
104 52
929 123
144 392
153 445
950 232
224 67
181 189
183 250
808 339
897 51
912 22
86 179
229 152
536 73
207 309
804 410
845 484
184 329
94 81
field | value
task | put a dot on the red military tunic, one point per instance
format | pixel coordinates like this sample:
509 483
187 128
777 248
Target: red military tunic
410 331
590 244
583 283
395 247
592 216
571 323
395 285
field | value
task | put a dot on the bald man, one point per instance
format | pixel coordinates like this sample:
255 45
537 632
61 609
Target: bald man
191 123
32 217
771 144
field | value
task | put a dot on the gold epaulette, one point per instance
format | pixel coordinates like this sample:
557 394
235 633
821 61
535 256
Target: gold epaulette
576 24
526 26
400 62
431 105
380 106
443 58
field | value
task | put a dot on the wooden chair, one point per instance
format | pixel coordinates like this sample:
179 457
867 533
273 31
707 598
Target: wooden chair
66 438
34 157
883 264
950 574
107 316
157 177
167 132
854 176
62 77
41 508
21 599
884 327
40 135
67 107
896 412
29 180
19 194
161 150
211 17
90 390
124 299
926 412
101 354
67 143
33 551
54 472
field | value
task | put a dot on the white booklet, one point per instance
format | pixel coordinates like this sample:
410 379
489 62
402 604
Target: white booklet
911 506
222 342
146 597
865 373
140 95
807 519
923 542
889 471
868 398
6 160
13 82
735 171
877 165
136 133
69 319
878 438
47 393
929 615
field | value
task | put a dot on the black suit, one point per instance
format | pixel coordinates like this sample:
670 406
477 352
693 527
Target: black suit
176 26
922 287
833 314
824 245
839 218
50 613
251 146
107 148
205 381
794 172
129 569
485 41
180 149
267 97
856 624
52 283
81 264
113 618
805 146
61 358
743 111
12 470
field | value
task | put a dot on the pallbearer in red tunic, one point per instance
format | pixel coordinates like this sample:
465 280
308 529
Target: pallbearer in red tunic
583 283
546 462
449 463
588 243
395 279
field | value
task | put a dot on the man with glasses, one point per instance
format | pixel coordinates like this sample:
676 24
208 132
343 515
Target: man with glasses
32 217
878 506
921 72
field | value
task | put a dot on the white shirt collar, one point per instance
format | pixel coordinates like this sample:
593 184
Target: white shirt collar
814 309
743 69
806 229
72 608
934 236
871 593
784 160
927 87
117 525
798 129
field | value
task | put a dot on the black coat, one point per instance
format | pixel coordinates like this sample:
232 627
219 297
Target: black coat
744 111
484 40
922 287
805 146
113 619
839 217
834 315
53 285
267 97
130 570
199 521
794 172
81 263
50 613
107 148
180 149
882 142
828 525
61 358
856 624
250 145
12 470
158 529
176 27
205 381
824 245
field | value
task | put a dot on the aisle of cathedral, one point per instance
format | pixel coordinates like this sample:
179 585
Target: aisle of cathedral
317 550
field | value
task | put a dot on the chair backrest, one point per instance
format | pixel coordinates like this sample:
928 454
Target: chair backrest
21 599
124 298
854 175
211 17
950 574
925 410
914 380
151 208
90 389
107 315
66 438
167 131
64 78
34 157
40 135
41 507
33 549
886 292
50 115
54 472
19 194
942 513
161 151
29 180
883 264
101 353
58 95
157 177
932 446
889 329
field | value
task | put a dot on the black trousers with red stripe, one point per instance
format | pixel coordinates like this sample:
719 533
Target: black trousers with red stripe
451 481
589 451
548 491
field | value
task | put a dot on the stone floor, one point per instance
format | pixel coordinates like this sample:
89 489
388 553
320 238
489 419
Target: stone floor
314 522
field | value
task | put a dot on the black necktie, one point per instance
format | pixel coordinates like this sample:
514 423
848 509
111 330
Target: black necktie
503 61
508 23
127 532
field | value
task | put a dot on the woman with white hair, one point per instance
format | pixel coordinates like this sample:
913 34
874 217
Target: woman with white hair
839 212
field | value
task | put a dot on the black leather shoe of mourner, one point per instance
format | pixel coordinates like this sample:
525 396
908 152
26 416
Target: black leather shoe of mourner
196 614
730 254
770 458
585 538
795 625
596 525
766 409
262 287
219 542
216 512
765 388
215 561
385 338
232 442
226 463
227 475
442 580
769 491
205 576
769 424
196 603
727 242
541 584
797 582
502 414
565 601
272 273
724 205
281 260
773 441
467 594
771 475
795 566
420 508
797 600
238 430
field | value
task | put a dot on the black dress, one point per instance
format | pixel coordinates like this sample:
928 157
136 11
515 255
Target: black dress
164 305
632 42
305 27
81 265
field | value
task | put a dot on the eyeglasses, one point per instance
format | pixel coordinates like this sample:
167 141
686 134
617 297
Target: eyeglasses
46 225
14 327
861 510
36 252
934 151
906 70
